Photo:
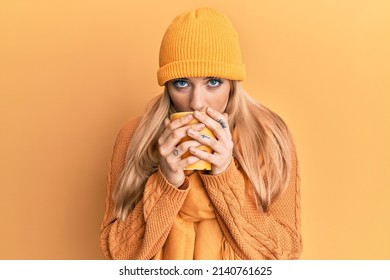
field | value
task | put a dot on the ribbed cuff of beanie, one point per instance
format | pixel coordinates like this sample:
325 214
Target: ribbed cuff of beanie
200 68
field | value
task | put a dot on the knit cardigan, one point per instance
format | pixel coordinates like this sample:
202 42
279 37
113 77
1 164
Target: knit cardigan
250 233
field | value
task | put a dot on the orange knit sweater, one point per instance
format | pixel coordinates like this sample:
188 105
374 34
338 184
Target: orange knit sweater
151 229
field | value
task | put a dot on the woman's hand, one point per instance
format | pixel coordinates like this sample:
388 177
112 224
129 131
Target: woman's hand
170 152
222 145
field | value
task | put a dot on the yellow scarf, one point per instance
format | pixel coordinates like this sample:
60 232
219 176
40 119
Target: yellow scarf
195 234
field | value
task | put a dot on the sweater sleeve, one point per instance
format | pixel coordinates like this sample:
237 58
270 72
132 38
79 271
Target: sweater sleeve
252 233
142 234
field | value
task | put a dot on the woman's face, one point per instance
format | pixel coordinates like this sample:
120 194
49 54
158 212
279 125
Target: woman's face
190 94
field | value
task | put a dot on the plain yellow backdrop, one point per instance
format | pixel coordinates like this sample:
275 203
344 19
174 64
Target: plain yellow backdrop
73 72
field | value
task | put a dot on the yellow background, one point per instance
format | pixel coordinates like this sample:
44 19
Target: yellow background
73 72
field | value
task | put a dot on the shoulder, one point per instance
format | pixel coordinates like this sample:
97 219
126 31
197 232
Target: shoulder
129 128
121 145
276 126
124 135
278 137
127 131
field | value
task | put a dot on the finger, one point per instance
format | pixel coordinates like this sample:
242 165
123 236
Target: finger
172 125
206 140
188 161
222 119
176 136
166 122
184 147
165 133
176 165
186 119
175 161
220 132
211 158
226 117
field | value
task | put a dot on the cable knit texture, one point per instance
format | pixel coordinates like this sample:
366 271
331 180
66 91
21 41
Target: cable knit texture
209 217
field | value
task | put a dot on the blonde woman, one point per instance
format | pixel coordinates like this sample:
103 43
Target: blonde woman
248 205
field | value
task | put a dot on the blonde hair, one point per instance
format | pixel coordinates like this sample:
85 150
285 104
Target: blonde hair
262 149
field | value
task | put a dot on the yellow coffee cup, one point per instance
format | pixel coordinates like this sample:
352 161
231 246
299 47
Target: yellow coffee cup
201 164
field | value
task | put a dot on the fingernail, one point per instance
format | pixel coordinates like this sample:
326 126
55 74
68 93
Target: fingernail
199 126
197 114
210 110
190 132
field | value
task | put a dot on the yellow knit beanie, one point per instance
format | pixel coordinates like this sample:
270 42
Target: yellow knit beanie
200 43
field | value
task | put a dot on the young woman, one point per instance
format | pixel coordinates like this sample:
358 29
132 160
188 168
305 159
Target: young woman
248 205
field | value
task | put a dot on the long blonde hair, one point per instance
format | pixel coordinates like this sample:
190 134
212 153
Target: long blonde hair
261 147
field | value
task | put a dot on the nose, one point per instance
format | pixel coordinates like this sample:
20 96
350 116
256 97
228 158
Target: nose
198 101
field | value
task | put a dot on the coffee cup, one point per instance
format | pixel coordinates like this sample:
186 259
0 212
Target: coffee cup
201 164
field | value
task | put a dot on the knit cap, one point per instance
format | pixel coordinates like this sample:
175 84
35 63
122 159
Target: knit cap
200 43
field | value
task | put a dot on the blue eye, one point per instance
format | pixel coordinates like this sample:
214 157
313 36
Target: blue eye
180 83
214 82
